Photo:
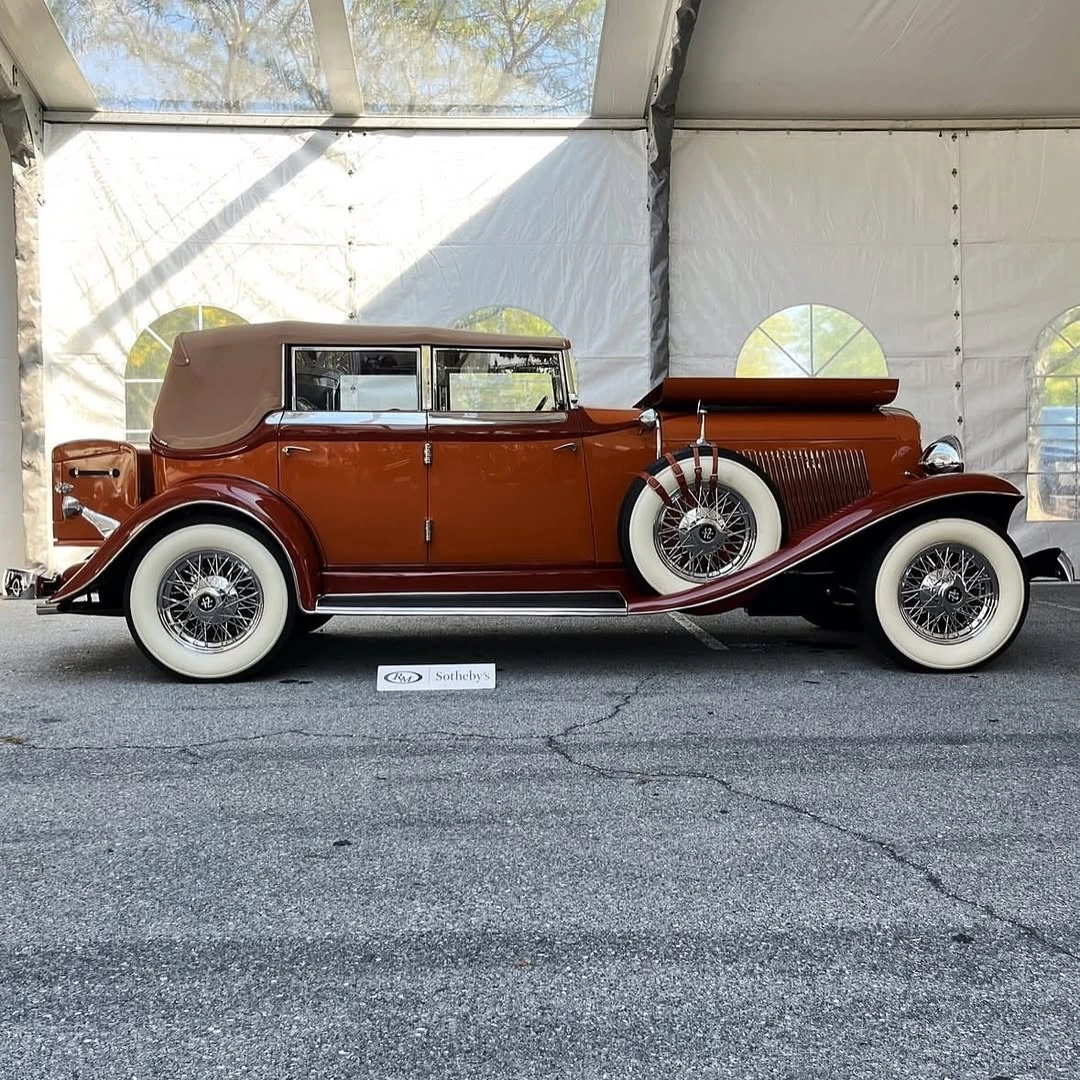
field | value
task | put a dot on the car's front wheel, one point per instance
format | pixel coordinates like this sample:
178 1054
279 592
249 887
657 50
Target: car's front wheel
946 595
208 601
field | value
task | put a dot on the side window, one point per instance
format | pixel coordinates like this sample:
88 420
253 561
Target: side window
477 381
355 380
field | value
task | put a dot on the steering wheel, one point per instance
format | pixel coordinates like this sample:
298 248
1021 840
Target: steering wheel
541 403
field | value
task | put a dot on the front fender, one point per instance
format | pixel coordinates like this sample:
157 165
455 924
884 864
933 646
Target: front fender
244 498
966 492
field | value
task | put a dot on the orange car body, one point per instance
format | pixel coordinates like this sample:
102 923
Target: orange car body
429 502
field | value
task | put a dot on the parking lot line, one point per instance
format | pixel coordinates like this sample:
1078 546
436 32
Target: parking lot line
1054 603
703 636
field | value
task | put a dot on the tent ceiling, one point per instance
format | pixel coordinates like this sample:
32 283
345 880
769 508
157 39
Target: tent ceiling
883 59
486 58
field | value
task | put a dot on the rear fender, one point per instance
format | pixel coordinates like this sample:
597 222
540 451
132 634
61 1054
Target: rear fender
194 500
968 495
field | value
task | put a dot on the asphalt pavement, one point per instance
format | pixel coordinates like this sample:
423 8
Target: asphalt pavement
713 848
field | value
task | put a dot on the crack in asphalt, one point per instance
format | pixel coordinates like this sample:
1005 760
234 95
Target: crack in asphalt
889 850
557 743
553 741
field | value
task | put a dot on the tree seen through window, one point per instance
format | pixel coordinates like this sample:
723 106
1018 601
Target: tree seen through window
1054 421
811 341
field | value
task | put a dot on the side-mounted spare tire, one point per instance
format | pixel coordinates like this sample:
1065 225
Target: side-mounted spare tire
696 515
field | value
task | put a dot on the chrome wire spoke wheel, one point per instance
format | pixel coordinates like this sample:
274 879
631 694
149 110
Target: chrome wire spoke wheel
210 600
696 516
948 593
705 531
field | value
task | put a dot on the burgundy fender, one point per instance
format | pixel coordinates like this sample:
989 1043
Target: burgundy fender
724 593
251 500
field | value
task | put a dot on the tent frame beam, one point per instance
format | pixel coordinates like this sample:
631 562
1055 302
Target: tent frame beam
334 42
941 124
30 32
313 121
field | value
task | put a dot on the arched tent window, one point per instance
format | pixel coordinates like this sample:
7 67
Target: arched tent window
514 320
1054 421
149 357
811 340
507 320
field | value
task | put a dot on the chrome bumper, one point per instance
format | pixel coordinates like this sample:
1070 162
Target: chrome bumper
1050 563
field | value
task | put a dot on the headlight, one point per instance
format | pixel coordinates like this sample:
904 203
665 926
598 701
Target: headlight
944 455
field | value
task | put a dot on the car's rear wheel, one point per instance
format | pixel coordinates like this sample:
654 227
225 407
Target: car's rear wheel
945 595
697 517
209 601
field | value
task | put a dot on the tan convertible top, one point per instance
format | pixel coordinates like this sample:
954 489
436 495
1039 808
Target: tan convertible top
220 383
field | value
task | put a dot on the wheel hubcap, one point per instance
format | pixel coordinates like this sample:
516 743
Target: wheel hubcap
948 593
210 600
706 532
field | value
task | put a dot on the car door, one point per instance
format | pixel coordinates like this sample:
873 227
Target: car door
351 453
507 482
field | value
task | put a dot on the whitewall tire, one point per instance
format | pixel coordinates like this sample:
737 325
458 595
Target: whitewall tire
208 601
945 595
699 519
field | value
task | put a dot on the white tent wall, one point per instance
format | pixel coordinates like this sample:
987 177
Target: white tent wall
1021 270
865 222
397 227
11 531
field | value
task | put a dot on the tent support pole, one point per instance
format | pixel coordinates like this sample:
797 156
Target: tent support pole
23 140
661 124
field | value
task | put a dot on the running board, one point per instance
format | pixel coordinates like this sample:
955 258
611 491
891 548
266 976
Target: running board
503 603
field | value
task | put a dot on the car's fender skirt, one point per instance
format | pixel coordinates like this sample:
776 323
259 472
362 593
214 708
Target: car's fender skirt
950 494
193 500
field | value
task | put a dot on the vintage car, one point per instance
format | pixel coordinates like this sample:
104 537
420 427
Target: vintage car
297 472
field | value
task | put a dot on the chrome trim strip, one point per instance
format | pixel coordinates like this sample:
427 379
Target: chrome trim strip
564 367
494 419
427 368
414 420
485 612
818 551
85 588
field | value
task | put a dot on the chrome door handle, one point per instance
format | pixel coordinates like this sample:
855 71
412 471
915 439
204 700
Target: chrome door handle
287 450
571 446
